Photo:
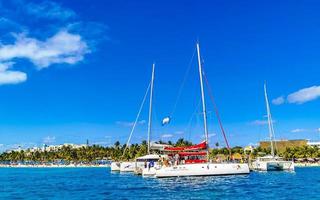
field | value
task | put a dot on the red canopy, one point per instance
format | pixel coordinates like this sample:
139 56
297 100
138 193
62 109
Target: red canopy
202 153
202 145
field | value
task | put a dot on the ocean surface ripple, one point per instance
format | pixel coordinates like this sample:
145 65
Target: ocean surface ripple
100 183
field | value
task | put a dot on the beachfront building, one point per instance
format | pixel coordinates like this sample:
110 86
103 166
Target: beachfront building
249 149
313 144
52 148
48 148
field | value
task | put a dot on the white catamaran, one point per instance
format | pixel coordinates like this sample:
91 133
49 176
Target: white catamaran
199 166
271 162
140 163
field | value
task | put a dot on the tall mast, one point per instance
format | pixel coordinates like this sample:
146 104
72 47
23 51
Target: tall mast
269 119
202 97
150 108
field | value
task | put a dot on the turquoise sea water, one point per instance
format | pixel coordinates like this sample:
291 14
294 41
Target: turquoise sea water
100 183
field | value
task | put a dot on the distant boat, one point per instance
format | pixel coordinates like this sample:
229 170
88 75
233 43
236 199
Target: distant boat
197 162
271 162
115 166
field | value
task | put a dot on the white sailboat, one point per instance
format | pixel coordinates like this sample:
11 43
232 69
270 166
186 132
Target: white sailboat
271 162
145 163
201 167
140 163
129 166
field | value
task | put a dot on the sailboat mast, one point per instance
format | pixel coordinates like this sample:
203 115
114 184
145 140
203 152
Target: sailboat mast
202 97
150 108
269 119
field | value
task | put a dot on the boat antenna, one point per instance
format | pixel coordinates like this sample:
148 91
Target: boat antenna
203 100
150 108
269 119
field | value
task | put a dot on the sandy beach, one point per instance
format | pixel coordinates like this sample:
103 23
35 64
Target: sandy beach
307 164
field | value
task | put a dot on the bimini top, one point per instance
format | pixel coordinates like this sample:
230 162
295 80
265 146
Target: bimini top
201 146
149 157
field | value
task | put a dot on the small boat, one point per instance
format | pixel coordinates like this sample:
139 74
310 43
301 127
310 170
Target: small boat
127 166
115 166
271 162
194 160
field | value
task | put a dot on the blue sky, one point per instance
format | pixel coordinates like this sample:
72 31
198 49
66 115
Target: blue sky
73 71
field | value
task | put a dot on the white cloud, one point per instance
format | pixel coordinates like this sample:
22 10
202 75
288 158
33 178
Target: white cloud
62 37
304 95
63 47
261 122
211 135
130 124
9 76
167 136
49 10
298 130
103 143
49 140
278 101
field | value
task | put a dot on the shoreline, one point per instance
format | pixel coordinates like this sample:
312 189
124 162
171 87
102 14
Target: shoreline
54 166
307 164
102 165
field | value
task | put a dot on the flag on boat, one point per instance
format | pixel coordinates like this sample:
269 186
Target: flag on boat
165 121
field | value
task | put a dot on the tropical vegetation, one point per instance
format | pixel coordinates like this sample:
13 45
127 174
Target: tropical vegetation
89 154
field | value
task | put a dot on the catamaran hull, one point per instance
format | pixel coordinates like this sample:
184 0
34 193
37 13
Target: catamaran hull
127 166
206 169
115 166
273 166
149 172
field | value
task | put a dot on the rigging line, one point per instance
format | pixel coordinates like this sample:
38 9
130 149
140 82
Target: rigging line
137 118
191 118
216 110
182 83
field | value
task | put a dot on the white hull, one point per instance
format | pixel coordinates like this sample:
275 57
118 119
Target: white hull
145 163
145 171
115 166
273 165
149 172
127 166
204 169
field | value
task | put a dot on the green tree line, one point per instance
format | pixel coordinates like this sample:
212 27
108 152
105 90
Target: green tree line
121 152
85 154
